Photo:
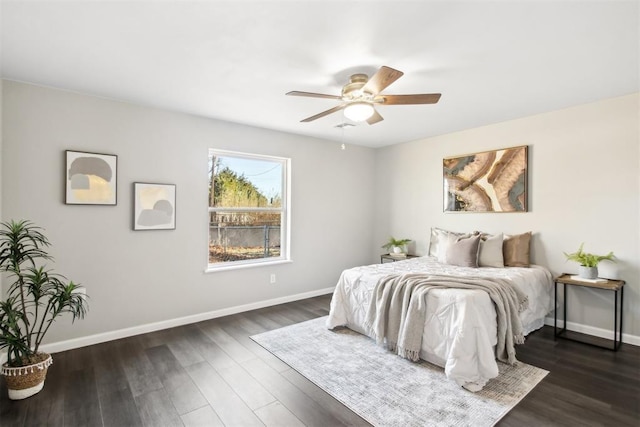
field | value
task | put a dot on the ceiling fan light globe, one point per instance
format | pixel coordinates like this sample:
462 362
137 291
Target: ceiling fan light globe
358 111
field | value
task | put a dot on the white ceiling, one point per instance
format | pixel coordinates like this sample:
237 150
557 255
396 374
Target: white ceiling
235 60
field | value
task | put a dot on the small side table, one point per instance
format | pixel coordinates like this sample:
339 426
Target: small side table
393 258
617 286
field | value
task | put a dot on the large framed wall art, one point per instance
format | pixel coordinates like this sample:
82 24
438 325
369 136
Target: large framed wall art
91 178
154 206
489 181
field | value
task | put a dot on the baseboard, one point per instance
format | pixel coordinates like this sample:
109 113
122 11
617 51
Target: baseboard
171 323
592 330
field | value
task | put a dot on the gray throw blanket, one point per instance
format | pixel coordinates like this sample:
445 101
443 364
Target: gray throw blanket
397 311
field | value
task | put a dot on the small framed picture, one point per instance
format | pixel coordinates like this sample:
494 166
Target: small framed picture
154 206
91 178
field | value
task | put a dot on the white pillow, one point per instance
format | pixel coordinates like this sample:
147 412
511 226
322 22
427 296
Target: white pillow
444 241
491 251
437 234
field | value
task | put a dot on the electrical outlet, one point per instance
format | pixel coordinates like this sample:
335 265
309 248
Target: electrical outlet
272 278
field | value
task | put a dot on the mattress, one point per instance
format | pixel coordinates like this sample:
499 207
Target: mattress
460 329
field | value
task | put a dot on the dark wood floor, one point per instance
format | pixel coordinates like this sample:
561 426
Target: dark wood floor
212 374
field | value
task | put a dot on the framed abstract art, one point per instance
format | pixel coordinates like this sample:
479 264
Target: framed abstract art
91 178
489 181
154 206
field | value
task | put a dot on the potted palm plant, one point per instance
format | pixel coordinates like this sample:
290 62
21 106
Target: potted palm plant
588 268
34 299
396 246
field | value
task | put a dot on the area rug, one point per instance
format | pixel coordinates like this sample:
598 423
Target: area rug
387 390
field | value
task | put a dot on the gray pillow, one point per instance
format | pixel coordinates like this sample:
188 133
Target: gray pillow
464 252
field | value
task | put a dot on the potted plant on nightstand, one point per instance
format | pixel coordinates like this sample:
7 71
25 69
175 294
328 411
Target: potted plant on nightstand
35 298
396 246
588 268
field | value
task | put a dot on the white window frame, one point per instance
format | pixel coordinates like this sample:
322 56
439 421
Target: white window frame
285 215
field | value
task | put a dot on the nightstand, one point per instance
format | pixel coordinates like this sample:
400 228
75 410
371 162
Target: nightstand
616 286
394 258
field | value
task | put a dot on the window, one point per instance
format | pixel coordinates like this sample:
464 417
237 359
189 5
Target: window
248 209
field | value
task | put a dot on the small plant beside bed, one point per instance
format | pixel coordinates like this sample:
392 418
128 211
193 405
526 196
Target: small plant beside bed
588 262
396 246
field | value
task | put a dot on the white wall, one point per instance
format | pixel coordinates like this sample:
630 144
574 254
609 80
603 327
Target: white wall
136 278
583 187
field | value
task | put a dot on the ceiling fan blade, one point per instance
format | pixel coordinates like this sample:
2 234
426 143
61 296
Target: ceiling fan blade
375 118
312 95
381 79
425 98
324 113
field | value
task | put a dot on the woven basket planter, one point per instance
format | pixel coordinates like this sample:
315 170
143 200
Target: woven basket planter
25 381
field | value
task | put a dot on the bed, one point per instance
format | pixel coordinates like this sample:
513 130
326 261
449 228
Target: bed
460 327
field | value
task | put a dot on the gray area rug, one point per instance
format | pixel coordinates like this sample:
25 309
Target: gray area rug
387 390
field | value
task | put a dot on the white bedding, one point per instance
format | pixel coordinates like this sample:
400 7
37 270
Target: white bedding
460 328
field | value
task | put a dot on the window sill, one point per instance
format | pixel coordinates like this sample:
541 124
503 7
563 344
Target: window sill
247 265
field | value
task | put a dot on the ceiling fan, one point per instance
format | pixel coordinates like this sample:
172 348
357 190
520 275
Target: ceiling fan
360 96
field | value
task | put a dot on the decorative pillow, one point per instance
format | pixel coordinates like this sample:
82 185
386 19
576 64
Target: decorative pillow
444 241
516 250
433 241
464 252
438 235
490 254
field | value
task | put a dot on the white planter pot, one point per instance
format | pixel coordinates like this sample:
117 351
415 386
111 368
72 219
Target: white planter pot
588 272
397 250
